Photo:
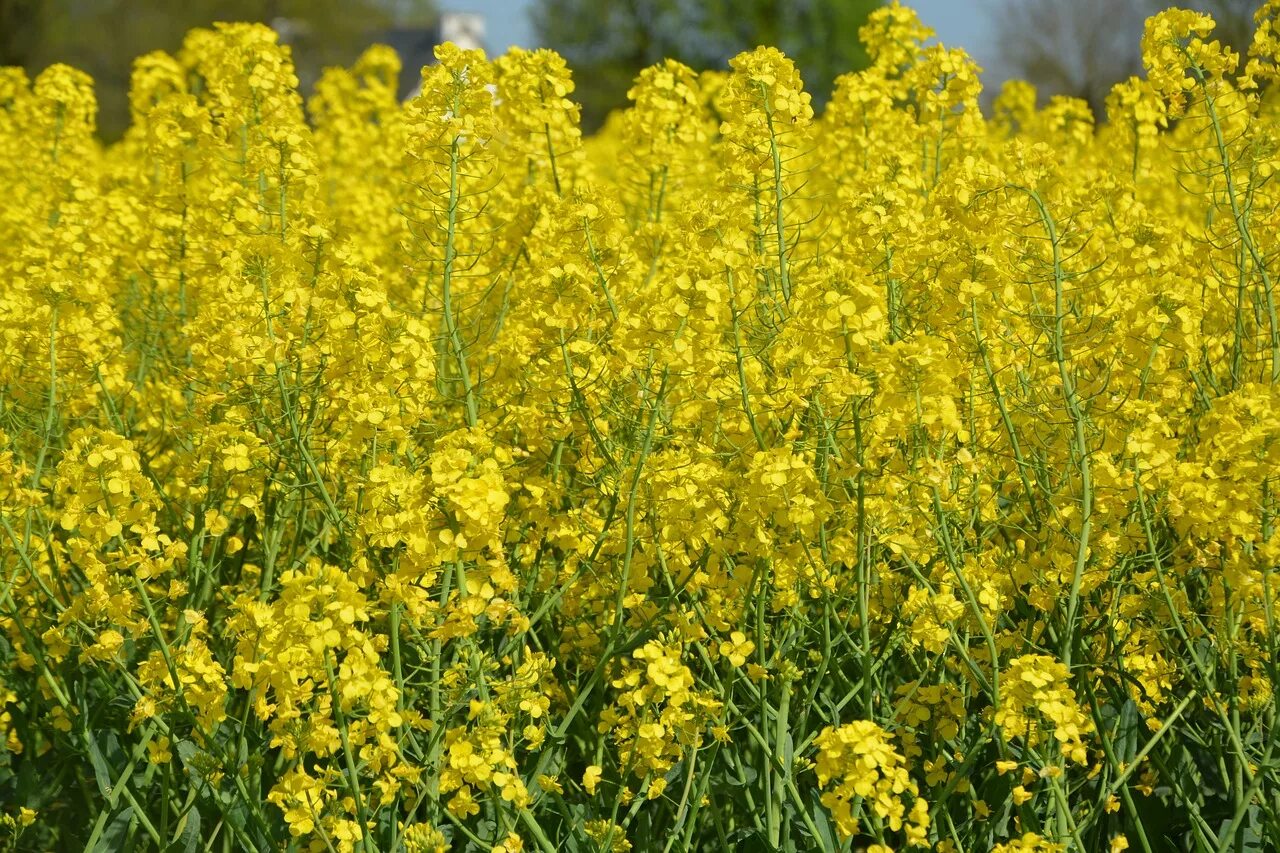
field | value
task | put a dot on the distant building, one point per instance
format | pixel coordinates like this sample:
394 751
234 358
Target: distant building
415 44
465 29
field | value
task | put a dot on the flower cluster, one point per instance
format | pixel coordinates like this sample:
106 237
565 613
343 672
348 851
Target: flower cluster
857 764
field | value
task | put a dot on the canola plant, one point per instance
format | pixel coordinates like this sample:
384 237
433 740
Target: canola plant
424 476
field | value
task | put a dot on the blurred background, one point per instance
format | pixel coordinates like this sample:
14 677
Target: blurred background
1073 47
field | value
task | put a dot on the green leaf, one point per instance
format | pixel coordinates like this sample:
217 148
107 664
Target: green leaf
188 841
112 839
1128 730
750 841
826 837
101 770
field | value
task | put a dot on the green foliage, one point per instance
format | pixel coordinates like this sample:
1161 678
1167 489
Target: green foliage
37 33
608 41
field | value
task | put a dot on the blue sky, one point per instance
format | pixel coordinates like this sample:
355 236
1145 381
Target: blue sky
959 23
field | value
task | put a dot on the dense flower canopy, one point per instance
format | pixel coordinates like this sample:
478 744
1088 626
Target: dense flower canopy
425 476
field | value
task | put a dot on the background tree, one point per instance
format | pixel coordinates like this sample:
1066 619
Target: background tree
1084 47
103 37
21 22
608 41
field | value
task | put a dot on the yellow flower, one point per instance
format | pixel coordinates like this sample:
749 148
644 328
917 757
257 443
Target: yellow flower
158 751
737 648
591 778
510 844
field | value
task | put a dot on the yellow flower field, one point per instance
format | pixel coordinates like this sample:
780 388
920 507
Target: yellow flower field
424 476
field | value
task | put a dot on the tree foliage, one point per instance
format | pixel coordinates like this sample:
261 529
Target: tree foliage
609 41
1084 47
104 36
